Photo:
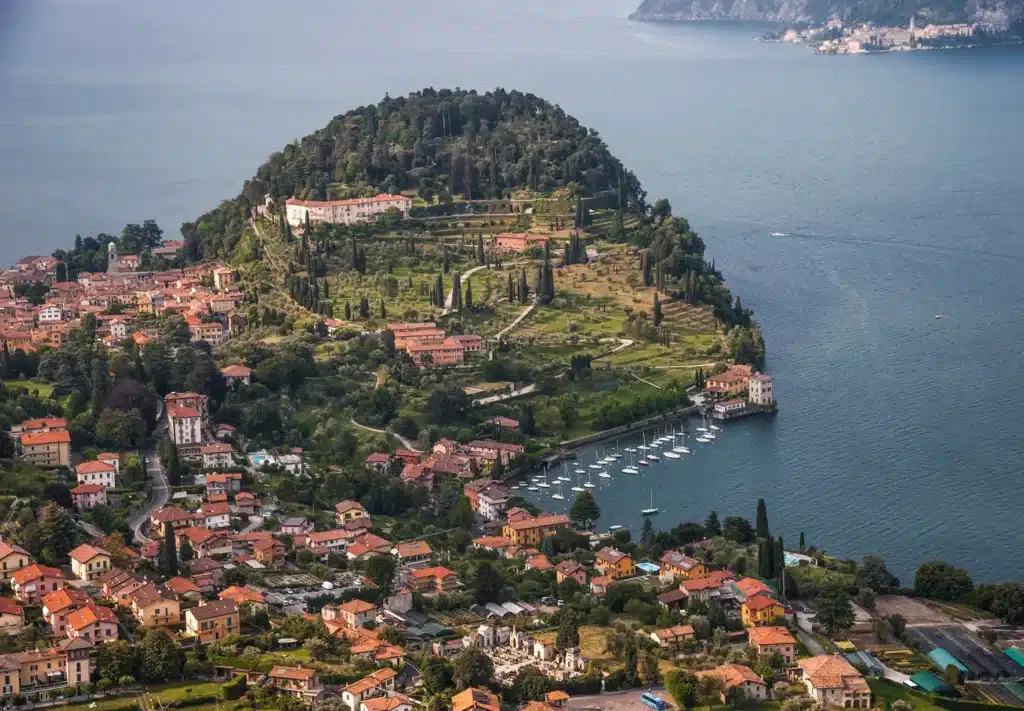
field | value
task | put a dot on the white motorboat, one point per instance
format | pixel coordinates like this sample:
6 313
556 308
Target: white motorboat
588 484
605 474
557 496
703 440
614 528
709 435
631 450
670 454
680 449
531 488
653 509
653 458
580 471
578 489
702 429
643 462
630 470
544 484
714 428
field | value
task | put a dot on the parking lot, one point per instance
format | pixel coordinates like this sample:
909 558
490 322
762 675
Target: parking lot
622 701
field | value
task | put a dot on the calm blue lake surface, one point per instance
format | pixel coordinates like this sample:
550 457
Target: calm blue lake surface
895 181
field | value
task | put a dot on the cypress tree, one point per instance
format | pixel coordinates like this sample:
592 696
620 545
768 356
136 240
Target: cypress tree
802 547
383 311
169 554
439 290
445 262
762 519
457 292
779 558
657 311
469 294
511 291
480 256
348 312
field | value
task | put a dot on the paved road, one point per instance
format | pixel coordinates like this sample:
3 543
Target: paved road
90 529
159 492
451 292
255 523
803 631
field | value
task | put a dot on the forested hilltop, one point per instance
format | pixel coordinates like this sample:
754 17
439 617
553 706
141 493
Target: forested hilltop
1003 13
438 145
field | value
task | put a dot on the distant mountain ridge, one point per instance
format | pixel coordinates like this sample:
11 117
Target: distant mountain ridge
1003 13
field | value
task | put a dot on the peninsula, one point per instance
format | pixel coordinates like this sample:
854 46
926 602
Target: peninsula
273 463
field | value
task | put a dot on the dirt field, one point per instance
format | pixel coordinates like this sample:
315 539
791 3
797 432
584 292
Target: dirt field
915 613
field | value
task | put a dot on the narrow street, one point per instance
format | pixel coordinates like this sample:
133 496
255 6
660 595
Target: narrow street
159 492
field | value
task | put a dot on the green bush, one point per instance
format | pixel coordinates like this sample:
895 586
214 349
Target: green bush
234 689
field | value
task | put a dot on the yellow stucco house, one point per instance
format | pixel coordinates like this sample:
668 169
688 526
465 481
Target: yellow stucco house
614 563
761 610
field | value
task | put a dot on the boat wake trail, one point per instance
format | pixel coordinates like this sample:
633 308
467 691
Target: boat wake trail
892 244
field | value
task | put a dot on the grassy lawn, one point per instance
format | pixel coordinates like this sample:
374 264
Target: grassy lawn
888 691
166 694
959 611
44 389
592 641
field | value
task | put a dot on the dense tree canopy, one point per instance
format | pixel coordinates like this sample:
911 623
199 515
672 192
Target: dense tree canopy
434 143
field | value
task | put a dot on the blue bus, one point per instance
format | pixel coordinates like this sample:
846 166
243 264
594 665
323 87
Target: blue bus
654 701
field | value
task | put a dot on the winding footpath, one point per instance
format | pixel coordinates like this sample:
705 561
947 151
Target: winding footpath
405 443
526 312
526 390
451 292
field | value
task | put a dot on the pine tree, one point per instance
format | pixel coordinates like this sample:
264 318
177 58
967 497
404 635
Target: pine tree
762 519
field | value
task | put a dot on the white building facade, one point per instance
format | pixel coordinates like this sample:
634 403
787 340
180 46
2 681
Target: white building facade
344 212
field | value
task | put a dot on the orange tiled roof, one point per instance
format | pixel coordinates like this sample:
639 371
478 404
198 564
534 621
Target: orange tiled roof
770 635
40 438
733 675
34 572
828 672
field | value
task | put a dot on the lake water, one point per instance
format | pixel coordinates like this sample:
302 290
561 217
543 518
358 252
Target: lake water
895 181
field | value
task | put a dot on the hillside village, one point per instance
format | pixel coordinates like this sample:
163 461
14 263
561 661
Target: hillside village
275 465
